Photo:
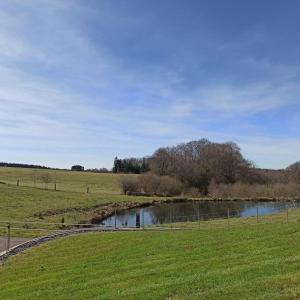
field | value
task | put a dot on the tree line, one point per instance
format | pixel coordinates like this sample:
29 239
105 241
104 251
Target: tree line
200 166
16 165
73 168
131 165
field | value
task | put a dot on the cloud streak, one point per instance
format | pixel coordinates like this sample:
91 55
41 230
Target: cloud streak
64 88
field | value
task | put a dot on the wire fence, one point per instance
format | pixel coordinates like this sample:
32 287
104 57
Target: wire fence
215 213
15 231
54 185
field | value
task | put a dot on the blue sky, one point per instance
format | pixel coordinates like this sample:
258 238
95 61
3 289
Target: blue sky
84 81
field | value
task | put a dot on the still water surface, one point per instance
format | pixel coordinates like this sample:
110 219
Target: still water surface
195 210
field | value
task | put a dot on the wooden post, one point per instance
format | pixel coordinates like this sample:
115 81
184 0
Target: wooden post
18 182
228 216
137 220
287 215
143 218
54 186
199 215
115 218
8 237
257 214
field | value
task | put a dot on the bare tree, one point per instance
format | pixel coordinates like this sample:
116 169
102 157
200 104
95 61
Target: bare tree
149 182
129 184
169 186
293 172
198 162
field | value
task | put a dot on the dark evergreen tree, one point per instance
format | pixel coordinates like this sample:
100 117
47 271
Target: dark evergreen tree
117 168
77 168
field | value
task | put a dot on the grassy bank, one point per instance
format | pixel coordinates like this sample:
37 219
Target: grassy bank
240 262
66 180
30 200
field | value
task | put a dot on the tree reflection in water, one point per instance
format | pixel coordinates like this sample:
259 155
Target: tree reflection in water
195 210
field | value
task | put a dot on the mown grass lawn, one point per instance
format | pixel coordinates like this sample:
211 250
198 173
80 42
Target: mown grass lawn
241 262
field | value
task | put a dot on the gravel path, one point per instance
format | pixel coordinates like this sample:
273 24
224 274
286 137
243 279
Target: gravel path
13 242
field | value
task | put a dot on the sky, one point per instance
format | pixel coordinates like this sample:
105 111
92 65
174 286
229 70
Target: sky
84 81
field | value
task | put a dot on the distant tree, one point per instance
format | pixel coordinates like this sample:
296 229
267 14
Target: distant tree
117 168
202 167
169 186
293 172
77 168
149 182
129 184
198 162
101 170
131 165
16 165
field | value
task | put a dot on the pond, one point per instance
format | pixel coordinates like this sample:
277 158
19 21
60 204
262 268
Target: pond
195 210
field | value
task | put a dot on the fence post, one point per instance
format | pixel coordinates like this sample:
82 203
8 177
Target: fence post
199 214
18 182
257 214
143 218
54 186
8 236
287 215
115 218
137 220
228 216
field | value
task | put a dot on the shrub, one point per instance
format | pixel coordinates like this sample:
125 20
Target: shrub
244 190
193 192
129 184
169 186
149 183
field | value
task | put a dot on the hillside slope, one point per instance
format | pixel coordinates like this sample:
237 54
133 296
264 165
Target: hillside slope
247 262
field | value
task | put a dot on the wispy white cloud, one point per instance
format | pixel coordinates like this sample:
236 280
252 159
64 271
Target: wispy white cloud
252 98
271 152
63 92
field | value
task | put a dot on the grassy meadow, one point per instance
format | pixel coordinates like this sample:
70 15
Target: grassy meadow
67 181
240 262
71 200
35 201
239 258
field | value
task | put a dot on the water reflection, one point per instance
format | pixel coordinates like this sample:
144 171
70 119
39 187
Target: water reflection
192 211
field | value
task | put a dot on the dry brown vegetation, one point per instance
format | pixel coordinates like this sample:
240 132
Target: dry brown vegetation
204 168
244 190
151 184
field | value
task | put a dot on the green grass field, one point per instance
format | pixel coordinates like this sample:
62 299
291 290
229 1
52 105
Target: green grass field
241 262
31 197
66 180
245 258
